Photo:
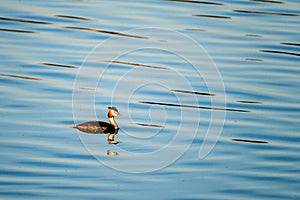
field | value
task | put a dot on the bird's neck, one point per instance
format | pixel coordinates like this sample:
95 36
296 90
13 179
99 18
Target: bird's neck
113 122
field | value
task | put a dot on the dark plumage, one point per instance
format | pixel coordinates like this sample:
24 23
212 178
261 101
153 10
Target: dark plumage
95 127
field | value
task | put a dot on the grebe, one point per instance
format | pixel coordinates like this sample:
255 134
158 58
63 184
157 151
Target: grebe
102 127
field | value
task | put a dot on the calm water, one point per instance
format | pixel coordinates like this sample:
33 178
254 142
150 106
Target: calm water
64 62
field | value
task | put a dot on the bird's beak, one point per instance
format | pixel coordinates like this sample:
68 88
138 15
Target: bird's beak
119 114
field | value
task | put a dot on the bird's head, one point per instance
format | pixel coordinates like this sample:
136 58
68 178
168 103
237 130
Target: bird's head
113 112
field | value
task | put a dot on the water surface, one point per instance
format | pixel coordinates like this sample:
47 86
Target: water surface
255 46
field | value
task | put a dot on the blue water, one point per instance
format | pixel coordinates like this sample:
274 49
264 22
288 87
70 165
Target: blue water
209 93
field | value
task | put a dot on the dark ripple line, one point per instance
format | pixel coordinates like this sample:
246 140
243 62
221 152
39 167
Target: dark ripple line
59 65
104 31
199 2
75 17
250 141
134 64
191 106
149 125
280 52
249 102
16 31
21 77
254 59
23 20
290 43
195 29
265 13
269 1
253 35
213 16
86 88
193 92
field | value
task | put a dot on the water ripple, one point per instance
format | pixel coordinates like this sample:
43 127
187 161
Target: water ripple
192 106
280 52
24 20
249 102
193 92
149 125
266 13
212 16
290 43
269 1
249 141
104 31
21 77
135 64
200 2
17 31
59 65
75 17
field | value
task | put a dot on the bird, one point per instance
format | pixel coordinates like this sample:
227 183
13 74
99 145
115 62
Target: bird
102 127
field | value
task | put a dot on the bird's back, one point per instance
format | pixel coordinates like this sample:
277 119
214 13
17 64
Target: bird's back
95 127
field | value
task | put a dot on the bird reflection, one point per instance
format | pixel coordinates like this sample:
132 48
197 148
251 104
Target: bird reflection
112 153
